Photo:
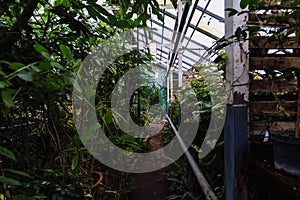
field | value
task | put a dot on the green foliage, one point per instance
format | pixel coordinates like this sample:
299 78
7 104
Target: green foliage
74 162
180 176
9 181
174 3
7 97
287 19
7 153
244 3
41 48
66 52
17 172
278 21
231 11
182 182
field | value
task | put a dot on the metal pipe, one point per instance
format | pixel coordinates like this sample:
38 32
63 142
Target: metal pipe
177 39
169 29
162 33
180 68
197 23
213 15
199 175
190 16
194 27
171 85
187 14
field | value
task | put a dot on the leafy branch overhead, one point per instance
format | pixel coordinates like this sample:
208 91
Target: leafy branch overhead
42 46
284 14
62 32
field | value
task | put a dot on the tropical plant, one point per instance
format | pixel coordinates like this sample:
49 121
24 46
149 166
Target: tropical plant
42 46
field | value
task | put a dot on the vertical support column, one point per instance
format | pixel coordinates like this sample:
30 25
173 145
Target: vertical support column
236 125
171 84
180 66
180 7
168 90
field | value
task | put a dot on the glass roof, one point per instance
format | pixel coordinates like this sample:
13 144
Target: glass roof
205 27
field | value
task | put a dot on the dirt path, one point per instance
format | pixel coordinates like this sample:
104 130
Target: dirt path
152 185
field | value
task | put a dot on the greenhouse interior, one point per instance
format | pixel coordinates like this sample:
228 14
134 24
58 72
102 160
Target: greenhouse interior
150 99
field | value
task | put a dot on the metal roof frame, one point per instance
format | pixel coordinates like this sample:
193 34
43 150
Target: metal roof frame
185 23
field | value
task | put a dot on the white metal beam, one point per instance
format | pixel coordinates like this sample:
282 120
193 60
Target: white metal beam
180 74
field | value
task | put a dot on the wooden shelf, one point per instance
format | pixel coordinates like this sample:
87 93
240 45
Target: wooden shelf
270 43
266 20
278 86
256 63
271 107
276 5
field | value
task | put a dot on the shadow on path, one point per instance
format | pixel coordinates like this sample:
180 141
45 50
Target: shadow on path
151 185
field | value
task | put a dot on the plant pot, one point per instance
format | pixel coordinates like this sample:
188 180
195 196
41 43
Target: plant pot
286 151
99 180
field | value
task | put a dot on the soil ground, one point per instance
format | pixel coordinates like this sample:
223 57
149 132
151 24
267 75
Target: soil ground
151 185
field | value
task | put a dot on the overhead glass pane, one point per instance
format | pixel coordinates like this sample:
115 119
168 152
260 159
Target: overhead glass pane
212 25
196 17
199 35
203 3
217 7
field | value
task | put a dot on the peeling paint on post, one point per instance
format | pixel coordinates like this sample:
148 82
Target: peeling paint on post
237 87
237 69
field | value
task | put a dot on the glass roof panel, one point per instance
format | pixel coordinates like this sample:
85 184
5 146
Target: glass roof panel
217 7
206 26
212 25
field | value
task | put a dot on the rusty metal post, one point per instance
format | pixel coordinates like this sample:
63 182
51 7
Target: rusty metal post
236 125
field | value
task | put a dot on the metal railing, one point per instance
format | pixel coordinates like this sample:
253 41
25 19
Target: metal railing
198 174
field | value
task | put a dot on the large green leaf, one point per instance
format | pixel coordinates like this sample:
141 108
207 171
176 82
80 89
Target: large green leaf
57 65
3 84
26 76
108 116
9 181
174 3
77 65
7 97
100 9
231 11
74 162
22 197
7 153
16 65
92 12
45 66
127 138
39 48
244 3
13 65
69 78
17 172
66 52
144 16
